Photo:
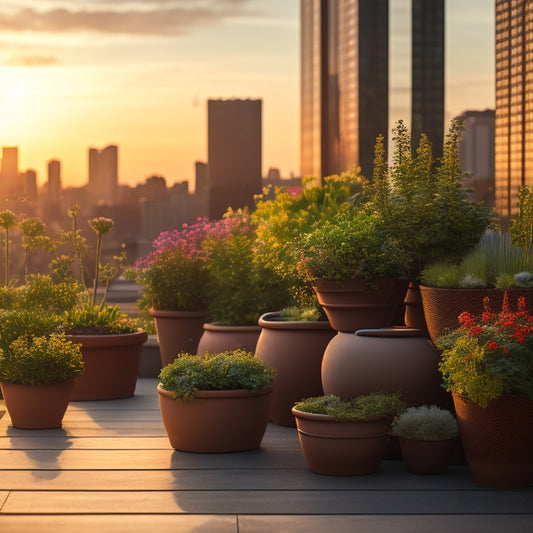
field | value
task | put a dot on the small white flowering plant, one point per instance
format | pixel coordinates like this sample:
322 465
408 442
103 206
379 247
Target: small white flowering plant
429 423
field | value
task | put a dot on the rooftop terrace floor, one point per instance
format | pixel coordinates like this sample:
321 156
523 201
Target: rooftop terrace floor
110 468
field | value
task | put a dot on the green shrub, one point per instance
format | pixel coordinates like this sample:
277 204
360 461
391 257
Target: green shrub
231 370
97 320
25 322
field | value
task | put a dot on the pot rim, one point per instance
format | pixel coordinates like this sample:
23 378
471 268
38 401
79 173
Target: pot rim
327 418
272 320
164 313
212 394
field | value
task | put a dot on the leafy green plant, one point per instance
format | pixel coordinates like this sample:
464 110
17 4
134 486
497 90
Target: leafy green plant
376 403
425 423
97 320
40 360
490 355
231 370
300 314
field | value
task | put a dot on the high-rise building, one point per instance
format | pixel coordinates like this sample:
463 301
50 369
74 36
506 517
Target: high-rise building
30 184
344 84
103 174
514 103
476 153
54 178
233 153
427 73
9 171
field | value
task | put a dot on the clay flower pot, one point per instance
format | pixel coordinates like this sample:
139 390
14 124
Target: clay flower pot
427 457
37 406
217 338
216 421
336 448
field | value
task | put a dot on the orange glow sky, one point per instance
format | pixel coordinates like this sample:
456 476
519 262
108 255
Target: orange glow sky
81 73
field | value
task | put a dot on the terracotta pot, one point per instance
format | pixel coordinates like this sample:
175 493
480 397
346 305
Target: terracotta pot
216 421
217 338
111 365
414 309
37 406
342 448
295 349
427 457
388 359
178 331
498 440
355 304
443 306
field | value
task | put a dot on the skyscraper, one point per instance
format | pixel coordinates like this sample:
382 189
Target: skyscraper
344 84
54 178
233 153
514 103
427 73
9 171
103 174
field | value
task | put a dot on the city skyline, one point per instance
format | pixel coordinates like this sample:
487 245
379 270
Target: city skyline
76 74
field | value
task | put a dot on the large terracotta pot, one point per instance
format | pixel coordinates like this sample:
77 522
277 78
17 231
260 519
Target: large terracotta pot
356 304
37 406
178 331
342 448
443 306
427 457
217 338
216 421
414 309
498 440
295 349
388 359
111 365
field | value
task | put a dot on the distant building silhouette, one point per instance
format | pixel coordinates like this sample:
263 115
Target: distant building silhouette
9 171
514 103
344 84
103 174
54 178
477 154
427 73
234 154
30 184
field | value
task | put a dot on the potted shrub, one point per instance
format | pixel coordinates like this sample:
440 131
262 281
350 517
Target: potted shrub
487 365
240 287
428 436
215 402
345 437
37 377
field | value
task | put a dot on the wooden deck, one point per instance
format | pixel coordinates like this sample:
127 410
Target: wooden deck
111 469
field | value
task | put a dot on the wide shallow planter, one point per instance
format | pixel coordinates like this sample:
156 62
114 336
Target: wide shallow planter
37 406
443 306
388 359
216 421
112 365
217 338
338 448
178 331
295 349
356 304
498 440
427 457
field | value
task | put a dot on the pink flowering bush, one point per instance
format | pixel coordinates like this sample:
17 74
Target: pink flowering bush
174 275
490 355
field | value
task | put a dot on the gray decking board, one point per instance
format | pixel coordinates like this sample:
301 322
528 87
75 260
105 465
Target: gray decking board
111 468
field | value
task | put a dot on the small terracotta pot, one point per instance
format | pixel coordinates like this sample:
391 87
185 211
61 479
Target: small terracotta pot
37 406
217 338
112 365
216 421
342 448
178 331
427 457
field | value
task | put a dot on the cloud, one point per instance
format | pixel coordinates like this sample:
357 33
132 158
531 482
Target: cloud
161 17
31 61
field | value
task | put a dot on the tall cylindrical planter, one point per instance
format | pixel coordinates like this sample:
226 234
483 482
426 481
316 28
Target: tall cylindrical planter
295 349
498 440
388 359
357 304
414 309
112 365
217 338
37 406
178 331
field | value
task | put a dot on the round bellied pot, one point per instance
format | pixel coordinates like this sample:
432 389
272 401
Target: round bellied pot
387 359
112 365
295 349
178 331
217 338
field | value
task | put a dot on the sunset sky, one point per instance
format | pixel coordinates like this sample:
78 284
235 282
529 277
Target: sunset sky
87 73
